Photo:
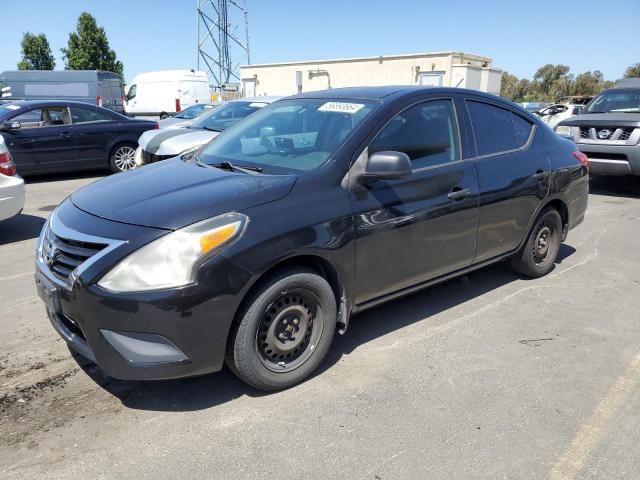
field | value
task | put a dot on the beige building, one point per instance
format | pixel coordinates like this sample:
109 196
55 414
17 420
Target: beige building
450 69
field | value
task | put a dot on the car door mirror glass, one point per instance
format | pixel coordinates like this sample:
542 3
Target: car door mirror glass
577 110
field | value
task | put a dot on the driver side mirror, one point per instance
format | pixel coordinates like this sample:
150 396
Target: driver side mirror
577 110
11 125
386 165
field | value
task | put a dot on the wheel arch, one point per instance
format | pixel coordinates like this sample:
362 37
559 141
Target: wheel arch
317 263
562 209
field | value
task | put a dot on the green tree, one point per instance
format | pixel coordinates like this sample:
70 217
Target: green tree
88 48
36 53
632 71
551 82
588 83
509 86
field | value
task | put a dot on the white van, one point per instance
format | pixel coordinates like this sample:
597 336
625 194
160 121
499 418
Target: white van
167 92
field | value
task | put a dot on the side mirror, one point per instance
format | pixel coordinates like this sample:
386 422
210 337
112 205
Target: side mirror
11 125
386 165
577 110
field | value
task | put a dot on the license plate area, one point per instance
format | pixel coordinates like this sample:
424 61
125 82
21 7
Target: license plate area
49 293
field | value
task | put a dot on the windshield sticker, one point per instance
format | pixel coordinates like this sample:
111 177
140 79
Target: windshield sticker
341 107
12 107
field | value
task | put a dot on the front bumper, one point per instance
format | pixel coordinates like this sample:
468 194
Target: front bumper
612 159
146 335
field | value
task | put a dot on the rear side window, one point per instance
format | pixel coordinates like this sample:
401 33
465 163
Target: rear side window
492 128
426 132
522 129
88 115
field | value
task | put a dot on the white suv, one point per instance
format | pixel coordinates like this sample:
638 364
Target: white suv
11 185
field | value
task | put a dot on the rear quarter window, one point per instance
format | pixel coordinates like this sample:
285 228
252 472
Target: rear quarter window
522 129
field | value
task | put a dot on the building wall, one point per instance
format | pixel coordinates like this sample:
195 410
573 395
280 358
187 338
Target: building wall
280 79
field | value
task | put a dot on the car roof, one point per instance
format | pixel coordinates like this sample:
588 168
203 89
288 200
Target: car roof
264 99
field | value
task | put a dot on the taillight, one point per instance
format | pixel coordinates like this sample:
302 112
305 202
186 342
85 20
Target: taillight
7 167
99 100
177 105
582 158
156 126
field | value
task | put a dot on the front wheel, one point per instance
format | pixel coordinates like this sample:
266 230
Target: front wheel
538 255
122 158
284 331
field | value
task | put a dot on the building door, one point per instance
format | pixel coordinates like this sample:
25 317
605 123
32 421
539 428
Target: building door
249 87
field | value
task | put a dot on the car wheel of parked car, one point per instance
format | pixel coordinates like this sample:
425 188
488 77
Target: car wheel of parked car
284 331
123 158
538 255
163 115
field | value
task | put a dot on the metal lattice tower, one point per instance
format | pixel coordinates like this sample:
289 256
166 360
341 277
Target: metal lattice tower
223 40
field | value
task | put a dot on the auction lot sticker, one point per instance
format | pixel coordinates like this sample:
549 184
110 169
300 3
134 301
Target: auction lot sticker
341 107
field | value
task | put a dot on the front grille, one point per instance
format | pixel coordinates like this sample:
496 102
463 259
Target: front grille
625 134
584 133
69 254
606 134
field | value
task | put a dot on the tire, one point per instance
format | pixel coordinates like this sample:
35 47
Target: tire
122 158
284 331
163 115
538 255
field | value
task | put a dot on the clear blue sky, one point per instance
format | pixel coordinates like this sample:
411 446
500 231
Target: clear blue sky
519 35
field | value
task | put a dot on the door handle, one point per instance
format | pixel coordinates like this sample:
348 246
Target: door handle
540 175
65 134
459 193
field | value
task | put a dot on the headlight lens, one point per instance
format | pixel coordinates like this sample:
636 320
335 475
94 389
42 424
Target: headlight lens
137 158
563 130
172 261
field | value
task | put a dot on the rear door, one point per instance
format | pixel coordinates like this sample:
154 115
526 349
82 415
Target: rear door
414 229
45 141
513 174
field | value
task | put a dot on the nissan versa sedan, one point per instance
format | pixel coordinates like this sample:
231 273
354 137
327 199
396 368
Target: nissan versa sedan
255 251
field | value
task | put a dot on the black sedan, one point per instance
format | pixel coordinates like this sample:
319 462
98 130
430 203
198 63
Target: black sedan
260 246
58 136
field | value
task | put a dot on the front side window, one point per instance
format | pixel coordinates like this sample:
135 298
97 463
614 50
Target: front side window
290 135
492 128
43 117
131 94
426 132
226 115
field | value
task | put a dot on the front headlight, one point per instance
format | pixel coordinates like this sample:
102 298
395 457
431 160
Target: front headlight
172 261
137 158
563 130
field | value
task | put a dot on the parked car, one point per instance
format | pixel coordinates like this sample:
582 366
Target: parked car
166 92
564 108
56 136
103 89
608 130
185 117
11 185
316 207
164 144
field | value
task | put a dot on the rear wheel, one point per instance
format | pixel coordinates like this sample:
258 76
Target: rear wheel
538 255
163 115
284 331
123 158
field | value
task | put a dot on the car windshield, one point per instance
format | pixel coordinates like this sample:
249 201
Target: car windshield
289 136
193 111
226 115
616 101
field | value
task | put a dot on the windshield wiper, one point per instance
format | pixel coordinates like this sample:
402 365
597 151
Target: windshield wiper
212 129
226 165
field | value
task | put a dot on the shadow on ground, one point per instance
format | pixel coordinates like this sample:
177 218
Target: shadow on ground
19 228
58 177
628 186
215 389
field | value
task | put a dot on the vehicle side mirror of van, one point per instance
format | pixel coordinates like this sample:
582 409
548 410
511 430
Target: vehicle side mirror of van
385 165
11 125
577 110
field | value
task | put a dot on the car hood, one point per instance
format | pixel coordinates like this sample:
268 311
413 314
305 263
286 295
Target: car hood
604 120
174 141
176 193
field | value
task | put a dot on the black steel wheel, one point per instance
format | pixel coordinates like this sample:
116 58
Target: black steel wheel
538 255
284 330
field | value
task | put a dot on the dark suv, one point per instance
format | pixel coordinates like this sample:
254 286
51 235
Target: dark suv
256 249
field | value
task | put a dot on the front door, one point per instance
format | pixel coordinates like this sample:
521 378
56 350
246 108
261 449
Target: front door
417 228
44 141
513 175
